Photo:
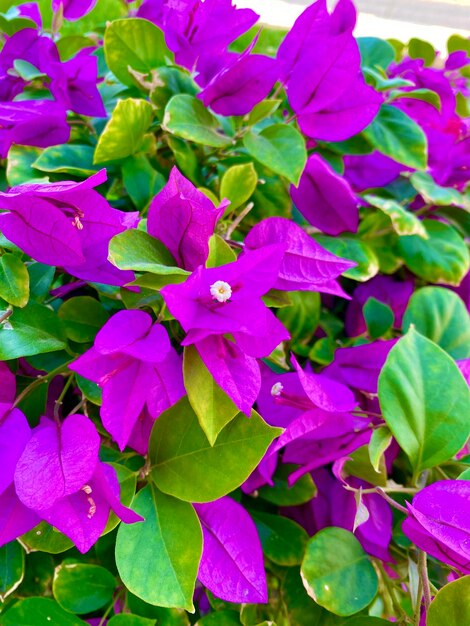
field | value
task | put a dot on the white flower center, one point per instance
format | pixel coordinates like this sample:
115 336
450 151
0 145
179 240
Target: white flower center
276 389
221 291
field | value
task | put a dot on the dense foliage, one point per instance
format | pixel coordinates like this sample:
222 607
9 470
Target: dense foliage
234 328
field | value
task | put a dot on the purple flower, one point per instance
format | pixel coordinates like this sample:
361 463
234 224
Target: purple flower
325 199
237 82
40 123
386 289
138 370
439 522
183 219
320 63
232 560
30 11
194 27
66 224
364 171
14 435
227 299
73 9
306 266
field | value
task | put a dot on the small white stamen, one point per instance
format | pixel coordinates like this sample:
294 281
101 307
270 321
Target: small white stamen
92 510
221 291
276 389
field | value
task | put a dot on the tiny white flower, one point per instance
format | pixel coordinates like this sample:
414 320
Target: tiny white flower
221 291
276 389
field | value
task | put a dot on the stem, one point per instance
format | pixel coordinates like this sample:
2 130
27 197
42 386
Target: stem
6 315
393 502
423 575
233 226
419 599
41 379
58 402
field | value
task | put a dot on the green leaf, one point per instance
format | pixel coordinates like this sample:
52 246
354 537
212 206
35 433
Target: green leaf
354 250
425 401
440 315
14 280
426 95
179 448
360 465
95 586
11 568
263 109
127 484
379 442
90 390
220 618
19 165
279 147
451 606
136 250
38 612
238 183
303 316
141 181
213 407
126 619
124 133
73 159
40 280
375 52
164 617
136 44
404 222
433 193
300 609
442 258
82 317
337 573
187 117
378 316
168 542
45 538
419 49
220 253
282 539
303 490
396 135
27 70
32 330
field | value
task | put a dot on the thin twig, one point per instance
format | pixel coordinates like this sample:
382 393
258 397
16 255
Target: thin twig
236 222
6 315
423 574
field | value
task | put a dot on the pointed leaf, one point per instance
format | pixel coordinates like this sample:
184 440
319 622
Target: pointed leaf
14 280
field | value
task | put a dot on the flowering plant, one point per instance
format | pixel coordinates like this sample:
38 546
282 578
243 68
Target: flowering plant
234 319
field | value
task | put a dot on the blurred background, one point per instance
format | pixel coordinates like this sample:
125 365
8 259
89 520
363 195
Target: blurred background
432 20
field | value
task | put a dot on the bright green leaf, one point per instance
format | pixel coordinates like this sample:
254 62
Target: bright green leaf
220 253
337 573
213 407
451 604
379 442
134 44
179 448
396 135
238 183
124 133
73 159
375 52
14 280
442 258
279 147
354 250
440 315
425 401
434 193
158 559
126 619
38 612
404 222
187 117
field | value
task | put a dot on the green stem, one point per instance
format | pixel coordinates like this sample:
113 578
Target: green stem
42 379
58 402
423 575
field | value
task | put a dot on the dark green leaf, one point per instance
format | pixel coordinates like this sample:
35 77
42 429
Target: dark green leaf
39 612
14 280
301 319
303 490
71 159
186 117
279 147
375 52
301 610
337 573
168 542
40 280
94 584
213 407
442 258
396 135
179 448
82 317
404 222
220 618
136 44
11 568
124 133
141 181
126 619
32 330
220 253
425 401
354 250
19 165
441 315
378 316
282 539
